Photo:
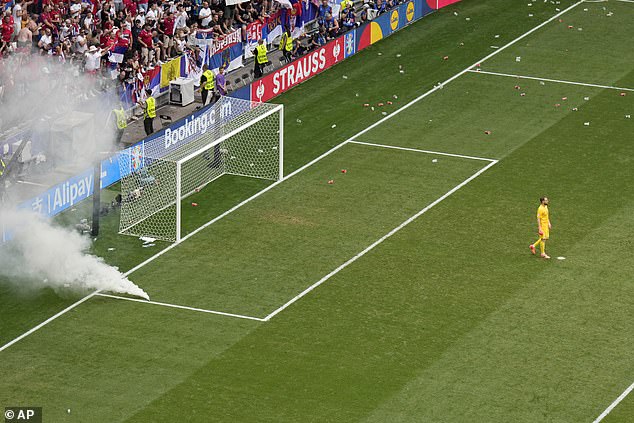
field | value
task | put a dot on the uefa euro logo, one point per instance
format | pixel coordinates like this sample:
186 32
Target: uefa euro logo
349 43
336 51
259 91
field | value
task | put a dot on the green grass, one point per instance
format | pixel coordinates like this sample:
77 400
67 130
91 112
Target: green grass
450 319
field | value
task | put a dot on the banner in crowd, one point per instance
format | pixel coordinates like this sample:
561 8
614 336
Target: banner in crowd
298 71
226 52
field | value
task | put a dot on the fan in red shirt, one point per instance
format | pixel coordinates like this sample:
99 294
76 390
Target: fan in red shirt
7 29
145 39
124 38
130 6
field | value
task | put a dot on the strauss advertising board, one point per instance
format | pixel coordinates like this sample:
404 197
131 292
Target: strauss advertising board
296 72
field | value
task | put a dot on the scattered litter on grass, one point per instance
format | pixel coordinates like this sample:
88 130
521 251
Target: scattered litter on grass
542 83
148 245
111 249
299 121
467 19
380 104
557 105
494 47
496 36
395 96
330 182
518 59
398 55
628 116
366 105
530 15
517 87
356 95
579 29
402 71
344 170
574 109
379 54
194 204
462 44
487 132
435 161
334 125
586 98
523 95
564 98
445 58
623 94
345 76
389 102
384 113
561 258
372 108
455 13
147 239
586 124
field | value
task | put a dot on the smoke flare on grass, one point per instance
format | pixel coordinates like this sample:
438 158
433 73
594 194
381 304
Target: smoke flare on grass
41 254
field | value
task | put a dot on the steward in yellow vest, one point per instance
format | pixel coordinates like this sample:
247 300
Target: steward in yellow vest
149 112
286 44
207 85
260 58
121 121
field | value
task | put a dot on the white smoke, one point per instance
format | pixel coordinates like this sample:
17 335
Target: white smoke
40 254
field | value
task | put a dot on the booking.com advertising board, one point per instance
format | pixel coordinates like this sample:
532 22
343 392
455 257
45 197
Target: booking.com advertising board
80 187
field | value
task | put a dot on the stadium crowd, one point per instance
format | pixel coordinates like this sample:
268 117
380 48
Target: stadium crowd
84 32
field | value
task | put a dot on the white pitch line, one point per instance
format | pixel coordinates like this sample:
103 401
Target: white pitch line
319 158
201 310
47 321
615 403
625 1
379 241
558 81
417 150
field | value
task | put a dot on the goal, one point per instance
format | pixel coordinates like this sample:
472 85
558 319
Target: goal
233 137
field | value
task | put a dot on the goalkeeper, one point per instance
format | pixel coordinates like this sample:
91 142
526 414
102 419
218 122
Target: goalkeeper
543 228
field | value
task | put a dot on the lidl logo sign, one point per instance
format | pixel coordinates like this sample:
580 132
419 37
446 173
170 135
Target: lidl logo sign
394 20
409 12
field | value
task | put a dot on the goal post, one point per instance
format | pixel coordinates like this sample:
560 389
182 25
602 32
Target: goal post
241 138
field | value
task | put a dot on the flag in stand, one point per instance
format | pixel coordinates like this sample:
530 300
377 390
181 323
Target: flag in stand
170 71
116 54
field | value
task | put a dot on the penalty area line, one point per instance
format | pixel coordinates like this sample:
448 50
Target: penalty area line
200 310
558 81
615 403
378 242
417 150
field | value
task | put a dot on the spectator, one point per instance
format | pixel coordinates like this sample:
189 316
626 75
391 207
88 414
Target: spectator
221 82
180 18
319 39
204 15
349 19
46 40
143 5
331 25
324 9
93 60
147 46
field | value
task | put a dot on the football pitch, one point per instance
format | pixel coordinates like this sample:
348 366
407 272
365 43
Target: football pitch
404 289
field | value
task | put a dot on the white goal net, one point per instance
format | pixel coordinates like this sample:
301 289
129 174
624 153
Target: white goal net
233 137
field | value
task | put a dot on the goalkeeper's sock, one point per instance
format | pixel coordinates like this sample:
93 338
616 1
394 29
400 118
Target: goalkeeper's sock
539 241
542 248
